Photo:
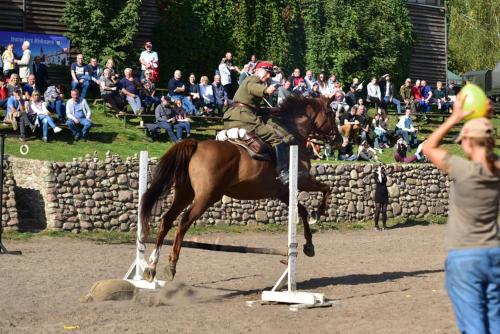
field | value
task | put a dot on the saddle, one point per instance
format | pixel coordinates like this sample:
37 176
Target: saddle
256 147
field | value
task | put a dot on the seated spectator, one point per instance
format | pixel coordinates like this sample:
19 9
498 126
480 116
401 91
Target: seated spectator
406 92
148 92
110 65
206 95
440 98
357 86
30 87
339 105
425 100
78 115
95 71
349 125
332 82
405 129
300 88
80 75
388 90
451 93
253 61
323 85
14 84
131 87
38 107
401 150
313 148
379 125
194 92
295 79
365 125
309 80
221 97
54 98
361 102
182 120
165 118
178 90
15 106
351 96
284 92
110 92
8 61
315 90
366 153
373 93
345 151
4 93
41 73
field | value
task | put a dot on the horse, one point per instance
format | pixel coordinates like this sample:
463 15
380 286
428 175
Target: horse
202 172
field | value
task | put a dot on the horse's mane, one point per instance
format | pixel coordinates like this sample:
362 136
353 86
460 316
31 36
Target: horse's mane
295 106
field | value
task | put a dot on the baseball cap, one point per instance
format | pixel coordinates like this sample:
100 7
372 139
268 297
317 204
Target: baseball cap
476 128
266 65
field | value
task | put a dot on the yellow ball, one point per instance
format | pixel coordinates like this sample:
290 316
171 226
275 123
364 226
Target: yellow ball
475 101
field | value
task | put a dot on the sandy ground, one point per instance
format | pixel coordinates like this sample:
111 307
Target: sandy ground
383 282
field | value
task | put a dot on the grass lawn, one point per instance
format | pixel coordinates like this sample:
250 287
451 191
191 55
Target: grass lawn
108 134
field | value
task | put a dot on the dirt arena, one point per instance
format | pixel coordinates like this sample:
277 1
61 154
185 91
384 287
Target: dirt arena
383 282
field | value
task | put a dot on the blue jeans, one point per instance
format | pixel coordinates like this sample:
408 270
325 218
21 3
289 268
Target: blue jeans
84 85
182 125
46 121
169 128
473 285
394 101
347 157
425 106
151 101
59 108
186 103
75 128
3 103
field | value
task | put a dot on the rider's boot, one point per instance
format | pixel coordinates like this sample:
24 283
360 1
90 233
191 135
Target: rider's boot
282 152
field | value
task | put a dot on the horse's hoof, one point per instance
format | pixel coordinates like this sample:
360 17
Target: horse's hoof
169 272
315 216
149 274
309 250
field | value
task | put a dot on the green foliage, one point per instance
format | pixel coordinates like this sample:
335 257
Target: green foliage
474 34
102 28
350 38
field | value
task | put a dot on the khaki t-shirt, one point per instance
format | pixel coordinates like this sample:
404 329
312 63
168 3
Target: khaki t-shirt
473 205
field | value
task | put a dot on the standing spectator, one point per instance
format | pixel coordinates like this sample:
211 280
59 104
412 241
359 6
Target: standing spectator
388 89
25 64
41 74
30 87
207 95
194 92
80 75
473 233
425 100
8 61
39 108
246 72
284 92
95 72
182 121
148 59
381 197
349 125
148 92
178 90
406 92
440 97
226 68
309 80
110 92
131 88
78 114
405 129
253 61
373 93
220 96
165 118
345 151
4 93
295 79
54 97
14 84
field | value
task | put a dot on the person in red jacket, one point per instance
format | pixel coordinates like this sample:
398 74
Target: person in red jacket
3 93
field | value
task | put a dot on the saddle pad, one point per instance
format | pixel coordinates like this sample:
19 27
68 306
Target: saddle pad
266 156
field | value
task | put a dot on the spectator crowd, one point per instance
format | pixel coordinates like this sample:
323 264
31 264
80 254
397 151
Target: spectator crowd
31 100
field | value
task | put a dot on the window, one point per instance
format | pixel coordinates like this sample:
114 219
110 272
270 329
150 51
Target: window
437 3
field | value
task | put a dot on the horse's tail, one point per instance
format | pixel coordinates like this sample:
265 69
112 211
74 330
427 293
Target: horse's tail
172 169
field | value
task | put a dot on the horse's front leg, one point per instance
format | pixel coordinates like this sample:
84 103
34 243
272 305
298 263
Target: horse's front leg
312 186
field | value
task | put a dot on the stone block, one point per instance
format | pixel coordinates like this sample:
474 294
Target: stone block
261 216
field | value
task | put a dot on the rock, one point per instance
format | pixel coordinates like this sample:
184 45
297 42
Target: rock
354 174
121 169
125 195
351 208
68 226
122 179
422 209
367 169
98 196
123 227
304 196
61 177
434 189
340 169
320 169
393 191
90 203
261 216
396 209
90 174
86 225
360 206
123 218
90 183
226 199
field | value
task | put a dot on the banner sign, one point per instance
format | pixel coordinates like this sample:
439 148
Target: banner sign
53 49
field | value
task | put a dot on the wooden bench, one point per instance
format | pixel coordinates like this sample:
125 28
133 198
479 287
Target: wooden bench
126 116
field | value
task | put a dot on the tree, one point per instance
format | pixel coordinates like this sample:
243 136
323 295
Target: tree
102 28
474 34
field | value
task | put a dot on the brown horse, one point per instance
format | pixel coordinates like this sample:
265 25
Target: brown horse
202 172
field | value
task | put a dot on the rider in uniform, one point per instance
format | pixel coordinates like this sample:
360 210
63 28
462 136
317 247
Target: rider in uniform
246 113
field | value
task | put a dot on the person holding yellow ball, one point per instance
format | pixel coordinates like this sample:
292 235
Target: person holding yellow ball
473 232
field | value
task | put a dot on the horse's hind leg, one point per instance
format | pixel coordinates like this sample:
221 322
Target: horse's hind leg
181 199
199 206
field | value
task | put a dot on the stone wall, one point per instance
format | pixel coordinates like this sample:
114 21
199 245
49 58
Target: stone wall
9 211
89 194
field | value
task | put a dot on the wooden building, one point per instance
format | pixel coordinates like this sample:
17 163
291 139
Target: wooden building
429 54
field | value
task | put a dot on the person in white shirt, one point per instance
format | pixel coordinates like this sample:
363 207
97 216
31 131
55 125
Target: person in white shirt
78 114
207 94
148 59
373 93
225 68
406 130
39 108
309 80
25 63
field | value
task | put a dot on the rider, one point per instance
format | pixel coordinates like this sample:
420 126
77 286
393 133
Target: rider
245 113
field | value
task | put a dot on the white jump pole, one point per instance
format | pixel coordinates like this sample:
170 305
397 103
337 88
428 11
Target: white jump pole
136 270
291 295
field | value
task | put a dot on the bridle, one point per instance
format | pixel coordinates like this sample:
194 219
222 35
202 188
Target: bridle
327 137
